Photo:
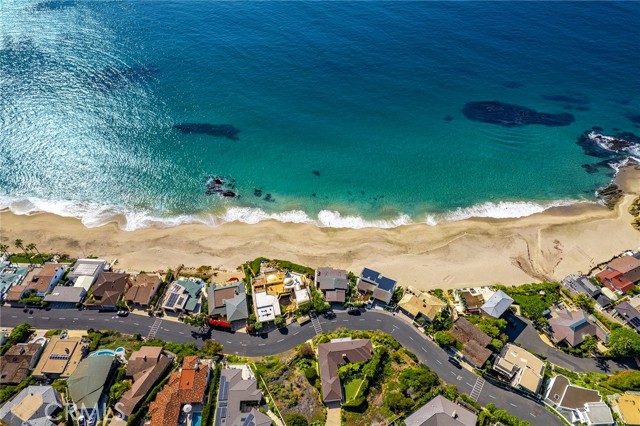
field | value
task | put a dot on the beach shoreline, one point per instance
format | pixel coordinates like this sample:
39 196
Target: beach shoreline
477 251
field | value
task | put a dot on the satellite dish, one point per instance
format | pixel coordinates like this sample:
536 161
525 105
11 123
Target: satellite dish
187 408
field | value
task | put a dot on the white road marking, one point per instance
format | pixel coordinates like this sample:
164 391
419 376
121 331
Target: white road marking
491 396
228 341
75 319
30 317
459 378
361 319
92 319
410 337
261 344
378 320
45 318
296 333
532 415
453 372
428 352
135 323
513 405
437 360
13 316
180 332
61 318
469 384
281 340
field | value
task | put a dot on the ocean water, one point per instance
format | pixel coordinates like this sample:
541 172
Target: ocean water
349 113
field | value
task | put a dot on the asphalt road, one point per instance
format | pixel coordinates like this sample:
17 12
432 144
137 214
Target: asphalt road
521 331
285 339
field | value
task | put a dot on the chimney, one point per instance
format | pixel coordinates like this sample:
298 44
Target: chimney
145 358
454 414
197 366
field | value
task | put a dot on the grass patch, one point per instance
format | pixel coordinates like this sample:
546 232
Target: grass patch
351 389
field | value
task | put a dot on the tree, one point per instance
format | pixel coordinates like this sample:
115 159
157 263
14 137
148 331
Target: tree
279 321
444 338
306 351
4 249
589 345
311 374
583 301
212 348
20 244
32 247
624 342
397 402
625 381
295 419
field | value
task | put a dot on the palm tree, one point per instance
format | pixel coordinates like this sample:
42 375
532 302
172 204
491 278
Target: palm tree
20 244
31 247
4 248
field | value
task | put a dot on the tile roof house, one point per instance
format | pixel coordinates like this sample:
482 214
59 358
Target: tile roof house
33 406
571 327
335 353
562 394
183 296
142 291
18 361
630 315
593 414
628 408
378 285
187 386
238 400
87 383
497 304
471 302
629 266
441 412
614 281
334 283
60 358
417 303
146 367
40 281
228 302
10 276
107 291
65 297
524 370
583 285
474 341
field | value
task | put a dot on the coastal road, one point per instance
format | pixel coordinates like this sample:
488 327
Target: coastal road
282 340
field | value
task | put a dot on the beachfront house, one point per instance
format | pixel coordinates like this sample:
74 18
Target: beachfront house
583 285
521 368
37 283
418 304
497 304
439 411
239 398
183 296
65 297
571 327
380 287
334 354
85 272
629 315
474 342
621 274
228 303
10 276
276 292
334 283
142 291
108 290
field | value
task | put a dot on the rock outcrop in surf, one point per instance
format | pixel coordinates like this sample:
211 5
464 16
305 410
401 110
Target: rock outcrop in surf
218 130
510 115
220 185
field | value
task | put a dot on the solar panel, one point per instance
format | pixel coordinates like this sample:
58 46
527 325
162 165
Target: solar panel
248 421
635 322
224 389
220 415
223 413
172 300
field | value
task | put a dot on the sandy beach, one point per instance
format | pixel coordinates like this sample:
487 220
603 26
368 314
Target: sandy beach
547 245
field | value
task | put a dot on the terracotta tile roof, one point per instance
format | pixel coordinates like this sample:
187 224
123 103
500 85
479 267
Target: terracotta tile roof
143 383
186 386
14 364
629 266
615 280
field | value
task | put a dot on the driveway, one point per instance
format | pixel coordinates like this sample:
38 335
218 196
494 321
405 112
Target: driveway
521 331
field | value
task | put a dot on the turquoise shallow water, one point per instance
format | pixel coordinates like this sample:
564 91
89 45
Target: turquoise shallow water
349 114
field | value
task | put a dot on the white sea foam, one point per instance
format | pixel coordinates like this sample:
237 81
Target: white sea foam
94 215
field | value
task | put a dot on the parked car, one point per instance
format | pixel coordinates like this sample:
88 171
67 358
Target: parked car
122 313
354 311
329 315
455 362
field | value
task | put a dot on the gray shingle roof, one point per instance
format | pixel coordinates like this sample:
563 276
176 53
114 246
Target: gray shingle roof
39 399
497 304
441 412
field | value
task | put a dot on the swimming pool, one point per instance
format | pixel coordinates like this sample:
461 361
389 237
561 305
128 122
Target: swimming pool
195 419
103 352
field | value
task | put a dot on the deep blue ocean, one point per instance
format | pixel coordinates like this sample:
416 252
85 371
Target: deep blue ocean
346 114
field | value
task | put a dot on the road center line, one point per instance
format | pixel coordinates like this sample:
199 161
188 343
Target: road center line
491 396
281 340
437 360
513 405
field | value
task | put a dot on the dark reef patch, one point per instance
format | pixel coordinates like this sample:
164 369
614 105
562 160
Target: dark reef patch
116 78
269 198
53 5
510 115
634 118
315 172
612 148
218 130
257 192
565 99
220 185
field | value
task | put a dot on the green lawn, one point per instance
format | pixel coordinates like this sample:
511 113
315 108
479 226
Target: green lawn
351 389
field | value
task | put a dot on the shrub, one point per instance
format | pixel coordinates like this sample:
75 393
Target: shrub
295 419
311 375
397 403
358 405
625 381
444 338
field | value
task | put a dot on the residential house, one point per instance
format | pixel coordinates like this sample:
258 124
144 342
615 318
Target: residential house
60 358
10 276
33 406
183 296
380 287
187 387
474 342
65 297
415 303
593 414
228 303
107 291
562 394
239 398
335 353
85 272
18 361
334 283
621 273
297 285
627 406
523 370
583 285
88 383
571 327
142 291
471 301
635 301
439 411
146 367
38 282
266 306
629 314
497 304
